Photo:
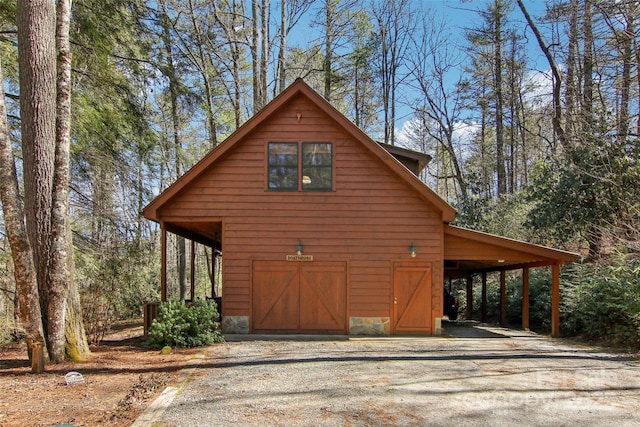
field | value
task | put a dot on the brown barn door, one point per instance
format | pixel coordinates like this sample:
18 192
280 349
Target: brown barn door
276 296
299 296
323 297
412 298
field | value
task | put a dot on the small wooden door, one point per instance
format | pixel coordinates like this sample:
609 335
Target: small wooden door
412 298
299 296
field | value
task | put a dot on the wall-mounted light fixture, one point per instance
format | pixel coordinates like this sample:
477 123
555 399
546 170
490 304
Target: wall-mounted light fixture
500 261
299 248
298 116
413 250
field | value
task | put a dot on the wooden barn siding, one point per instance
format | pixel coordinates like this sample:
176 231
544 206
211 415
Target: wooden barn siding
370 219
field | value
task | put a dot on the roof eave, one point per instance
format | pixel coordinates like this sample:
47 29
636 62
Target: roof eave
538 250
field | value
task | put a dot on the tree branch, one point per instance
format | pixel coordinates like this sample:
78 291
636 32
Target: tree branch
557 80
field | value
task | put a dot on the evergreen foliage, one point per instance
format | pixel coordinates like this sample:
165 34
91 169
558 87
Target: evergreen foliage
588 199
602 303
180 325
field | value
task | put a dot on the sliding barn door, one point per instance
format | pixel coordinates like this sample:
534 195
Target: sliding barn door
299 296
323 302
276 296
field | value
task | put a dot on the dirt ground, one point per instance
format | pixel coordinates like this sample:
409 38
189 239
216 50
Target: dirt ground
121 379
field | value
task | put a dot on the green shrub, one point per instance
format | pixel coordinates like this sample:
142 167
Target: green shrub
180 326
602 303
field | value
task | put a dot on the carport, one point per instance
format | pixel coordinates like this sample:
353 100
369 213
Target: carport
469 253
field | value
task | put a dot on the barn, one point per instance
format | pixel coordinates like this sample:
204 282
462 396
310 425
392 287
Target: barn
325 231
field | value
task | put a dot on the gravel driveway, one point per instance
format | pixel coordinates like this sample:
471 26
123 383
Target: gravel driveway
482 376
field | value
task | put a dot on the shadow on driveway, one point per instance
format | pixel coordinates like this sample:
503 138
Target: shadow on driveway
466 329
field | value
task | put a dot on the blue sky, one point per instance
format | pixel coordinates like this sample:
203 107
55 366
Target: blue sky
460 15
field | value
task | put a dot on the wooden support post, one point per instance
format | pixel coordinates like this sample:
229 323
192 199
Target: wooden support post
503 298
37 358
484 298
150 313
555 300
163 262
469 310
525 299
213 272
192 268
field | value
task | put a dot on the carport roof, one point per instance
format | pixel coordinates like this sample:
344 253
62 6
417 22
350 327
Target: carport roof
472 251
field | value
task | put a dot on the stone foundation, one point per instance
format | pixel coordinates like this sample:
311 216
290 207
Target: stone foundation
235 324
438 329
369 326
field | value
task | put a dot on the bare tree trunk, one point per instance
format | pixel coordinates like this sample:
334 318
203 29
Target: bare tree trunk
264 58
64 300
61 255
522 130
587 69
636 49
230 32
429 65
497 45
281 75
24 271
259 51
570 92
291 11
356 94
205 67
514 85
393 20
255 60
385 66
486 186
177 140
328 47
237 82
625 42
36 49
557 82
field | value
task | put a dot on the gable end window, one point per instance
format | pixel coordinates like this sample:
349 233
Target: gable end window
283 166
300 167
317 166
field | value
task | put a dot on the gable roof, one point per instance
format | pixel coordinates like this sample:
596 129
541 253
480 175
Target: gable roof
413 160
299 87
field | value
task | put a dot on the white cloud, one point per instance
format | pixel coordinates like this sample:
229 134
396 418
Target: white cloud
538 87
408 135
